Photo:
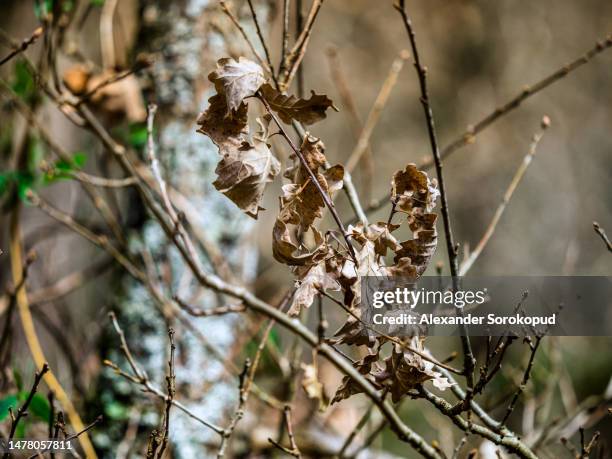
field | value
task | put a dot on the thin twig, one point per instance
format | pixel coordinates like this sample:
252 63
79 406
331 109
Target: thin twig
262 40
460 445
295 56
524 381
370 439
140 377
299 26
285 38
467 137
246 380
602 234
171 388
362 422
18 49
248 41
242 399
510 441
293 450
518 175
586 449
21 412
469 361
218 311
376 110
73 436
102 181
326 199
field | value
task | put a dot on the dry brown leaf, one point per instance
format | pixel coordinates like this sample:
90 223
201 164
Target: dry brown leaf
365 366
226 132
404 370
415 194
353 332
289 108
312 386
315 279
244 173
123 96
237 80
286 248
247 165
313 151
301 205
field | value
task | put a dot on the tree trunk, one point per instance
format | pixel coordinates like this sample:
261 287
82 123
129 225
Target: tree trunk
187 38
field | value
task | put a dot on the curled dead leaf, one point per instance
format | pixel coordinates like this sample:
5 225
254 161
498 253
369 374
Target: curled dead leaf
244 173
415 194
404 370
314 279
247 165
365 366
236 80
289 108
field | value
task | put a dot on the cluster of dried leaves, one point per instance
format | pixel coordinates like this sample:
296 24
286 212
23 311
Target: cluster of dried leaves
320 262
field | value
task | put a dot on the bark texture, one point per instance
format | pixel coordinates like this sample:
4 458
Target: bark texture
187 37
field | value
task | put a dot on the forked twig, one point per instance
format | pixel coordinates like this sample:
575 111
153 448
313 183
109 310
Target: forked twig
293 450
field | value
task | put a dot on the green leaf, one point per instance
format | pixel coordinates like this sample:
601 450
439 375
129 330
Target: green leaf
79 159
6 403
43 8
137 136
67 6
97 2
115 410
20 432
274 338
23 82
61 168
6 178
25 183
39 407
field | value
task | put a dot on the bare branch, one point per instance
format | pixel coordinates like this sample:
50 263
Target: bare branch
518 175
